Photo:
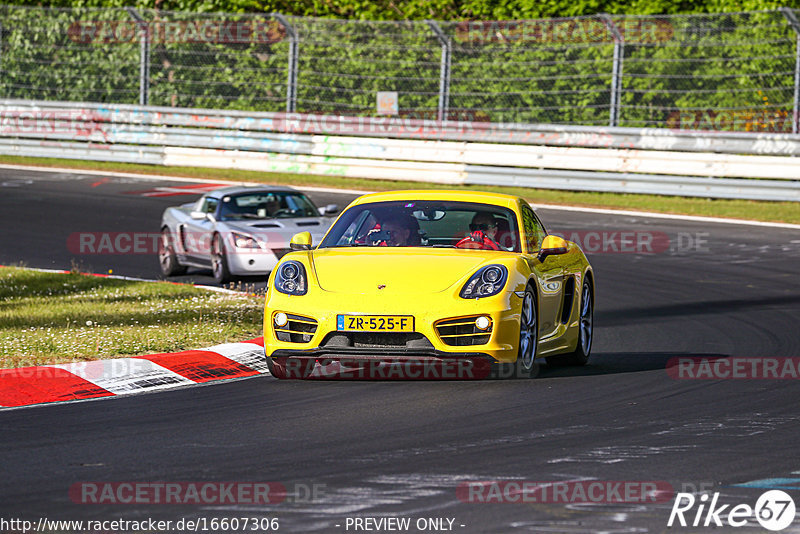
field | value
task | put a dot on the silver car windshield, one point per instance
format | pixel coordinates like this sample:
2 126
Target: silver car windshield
266 205
426 224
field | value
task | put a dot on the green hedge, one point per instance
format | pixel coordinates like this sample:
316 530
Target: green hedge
732 71
435 9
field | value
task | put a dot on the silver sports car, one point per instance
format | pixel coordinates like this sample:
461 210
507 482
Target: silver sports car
237 231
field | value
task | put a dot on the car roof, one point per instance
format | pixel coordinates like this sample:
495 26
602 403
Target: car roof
481 197
236 189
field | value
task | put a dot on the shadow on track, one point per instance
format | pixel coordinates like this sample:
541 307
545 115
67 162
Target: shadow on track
611 363
627 316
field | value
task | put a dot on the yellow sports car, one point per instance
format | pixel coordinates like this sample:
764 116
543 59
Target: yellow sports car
429 284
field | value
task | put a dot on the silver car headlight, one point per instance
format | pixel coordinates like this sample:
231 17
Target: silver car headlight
244 241
488 281
291 278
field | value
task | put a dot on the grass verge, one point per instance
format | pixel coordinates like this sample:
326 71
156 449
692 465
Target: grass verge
787 212
57 318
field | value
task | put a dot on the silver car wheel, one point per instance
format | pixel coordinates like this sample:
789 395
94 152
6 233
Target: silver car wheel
165 251
219 266
586 326
167 259
527 331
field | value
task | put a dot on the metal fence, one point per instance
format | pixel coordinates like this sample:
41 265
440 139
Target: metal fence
728 71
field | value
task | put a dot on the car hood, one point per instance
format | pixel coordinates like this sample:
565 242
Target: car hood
278 229
399 270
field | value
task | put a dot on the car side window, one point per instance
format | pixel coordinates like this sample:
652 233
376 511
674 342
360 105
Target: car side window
534 230
210 205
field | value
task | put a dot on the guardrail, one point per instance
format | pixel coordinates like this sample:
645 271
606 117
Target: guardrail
625 160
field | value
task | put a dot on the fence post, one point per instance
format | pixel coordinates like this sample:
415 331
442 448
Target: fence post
291 78
144 56
616 69
444 70
1 49
791 18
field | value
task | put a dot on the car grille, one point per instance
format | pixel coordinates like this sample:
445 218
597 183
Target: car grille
299 329
397 340
462 332
281 252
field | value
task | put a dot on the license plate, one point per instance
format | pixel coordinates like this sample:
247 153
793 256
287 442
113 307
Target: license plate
375 323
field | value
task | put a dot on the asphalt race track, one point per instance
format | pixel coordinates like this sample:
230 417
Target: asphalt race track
372 449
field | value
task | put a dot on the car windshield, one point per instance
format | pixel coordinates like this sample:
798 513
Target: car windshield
266 205
439 224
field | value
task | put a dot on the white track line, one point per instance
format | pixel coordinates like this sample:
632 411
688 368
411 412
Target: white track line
655 215
604 211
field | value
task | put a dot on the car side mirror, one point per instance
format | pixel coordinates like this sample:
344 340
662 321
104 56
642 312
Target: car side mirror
552 246
330 209
301 241
197 215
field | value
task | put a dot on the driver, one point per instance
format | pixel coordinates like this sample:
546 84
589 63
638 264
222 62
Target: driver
483 233
272 205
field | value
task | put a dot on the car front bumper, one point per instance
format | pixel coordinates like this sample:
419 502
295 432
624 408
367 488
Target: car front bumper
313 319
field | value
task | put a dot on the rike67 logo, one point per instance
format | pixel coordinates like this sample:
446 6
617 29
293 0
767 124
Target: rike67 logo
774 510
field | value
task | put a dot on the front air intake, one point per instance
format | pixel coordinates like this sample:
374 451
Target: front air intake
463 332
299 329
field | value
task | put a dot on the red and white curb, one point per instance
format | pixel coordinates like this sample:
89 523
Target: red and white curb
107 378
25 386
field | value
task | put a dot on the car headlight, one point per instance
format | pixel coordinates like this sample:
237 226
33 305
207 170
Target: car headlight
291 278
244 241
488 281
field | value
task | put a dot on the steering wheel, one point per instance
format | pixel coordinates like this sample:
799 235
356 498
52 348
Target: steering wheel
477 240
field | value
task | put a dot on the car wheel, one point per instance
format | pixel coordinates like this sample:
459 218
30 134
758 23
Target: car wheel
585 332
219 263
283 368
167 259
526 365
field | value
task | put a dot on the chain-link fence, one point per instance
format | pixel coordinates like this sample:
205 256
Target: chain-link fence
731 71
